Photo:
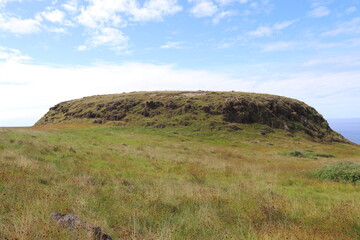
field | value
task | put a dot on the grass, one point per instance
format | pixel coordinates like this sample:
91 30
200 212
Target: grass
172 183
306 154
340 172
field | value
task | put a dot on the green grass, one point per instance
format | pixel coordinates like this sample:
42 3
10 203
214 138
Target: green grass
306 154
340 172
173 183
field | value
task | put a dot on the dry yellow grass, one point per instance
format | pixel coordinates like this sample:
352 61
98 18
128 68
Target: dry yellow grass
142 183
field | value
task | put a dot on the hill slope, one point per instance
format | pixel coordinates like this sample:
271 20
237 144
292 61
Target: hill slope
173 183
216 110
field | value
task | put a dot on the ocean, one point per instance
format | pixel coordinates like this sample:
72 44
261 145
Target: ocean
349 128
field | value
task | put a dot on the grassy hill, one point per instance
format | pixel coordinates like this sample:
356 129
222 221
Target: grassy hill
215 110
139 181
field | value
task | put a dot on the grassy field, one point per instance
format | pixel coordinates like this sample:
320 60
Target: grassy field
173 183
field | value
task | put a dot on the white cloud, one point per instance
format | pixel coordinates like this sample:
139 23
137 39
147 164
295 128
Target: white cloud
222 15
317 86
261 6
351 10
264 31
110 37
321 90
12 55
19 26
71 6
278 46
318 12
282 25
54 84
105 17
7 1
155 10
100 13
203 8
261 32
117 13
227 43
56 29
343 62
227 2
82 48
349 27
4 2
55 16
173 45
327 45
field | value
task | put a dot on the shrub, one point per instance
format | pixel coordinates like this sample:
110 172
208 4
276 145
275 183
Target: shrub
306 154
297 154
340 172
325 155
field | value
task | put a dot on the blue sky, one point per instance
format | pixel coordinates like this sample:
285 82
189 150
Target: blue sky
53 51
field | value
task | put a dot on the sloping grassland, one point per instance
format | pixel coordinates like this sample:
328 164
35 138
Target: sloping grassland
177 182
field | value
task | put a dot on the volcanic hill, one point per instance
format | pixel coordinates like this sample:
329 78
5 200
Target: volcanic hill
215 110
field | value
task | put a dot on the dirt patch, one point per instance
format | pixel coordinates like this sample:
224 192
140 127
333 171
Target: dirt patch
192 94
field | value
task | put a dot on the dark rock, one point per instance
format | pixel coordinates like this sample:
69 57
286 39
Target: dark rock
54 108
129 104
89 105
99 106
234 127
184 123
187 108
153 105
145 113
128 185
213 124
73 223
118 103
114 116
72 150
148 124
91 114
109 108
207 109
64 110
171 105
267 131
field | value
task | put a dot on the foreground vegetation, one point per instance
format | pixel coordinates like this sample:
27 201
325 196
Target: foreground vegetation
174 183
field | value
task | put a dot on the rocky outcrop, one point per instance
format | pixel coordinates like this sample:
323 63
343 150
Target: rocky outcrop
73 223
188 108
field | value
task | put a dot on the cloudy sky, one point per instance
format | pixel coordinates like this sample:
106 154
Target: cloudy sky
52 51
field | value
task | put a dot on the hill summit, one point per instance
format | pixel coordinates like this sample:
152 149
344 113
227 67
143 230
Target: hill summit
215 110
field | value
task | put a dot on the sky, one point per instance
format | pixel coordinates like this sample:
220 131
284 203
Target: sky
53 51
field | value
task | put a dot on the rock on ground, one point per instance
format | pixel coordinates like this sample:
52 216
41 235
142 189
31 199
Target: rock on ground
73 223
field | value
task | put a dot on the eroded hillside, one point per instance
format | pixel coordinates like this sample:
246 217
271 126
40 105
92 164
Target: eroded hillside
216 110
